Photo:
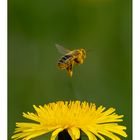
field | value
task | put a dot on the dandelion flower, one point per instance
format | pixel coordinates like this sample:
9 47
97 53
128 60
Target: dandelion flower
72 117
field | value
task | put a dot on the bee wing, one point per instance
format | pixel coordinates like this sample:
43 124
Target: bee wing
61 49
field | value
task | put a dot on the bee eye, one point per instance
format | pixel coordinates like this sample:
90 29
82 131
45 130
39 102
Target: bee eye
64 57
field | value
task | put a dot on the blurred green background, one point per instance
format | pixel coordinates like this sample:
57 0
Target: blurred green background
101 26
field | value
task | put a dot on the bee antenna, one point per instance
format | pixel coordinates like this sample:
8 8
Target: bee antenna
89 50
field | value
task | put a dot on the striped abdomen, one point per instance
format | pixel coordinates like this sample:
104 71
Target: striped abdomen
63 62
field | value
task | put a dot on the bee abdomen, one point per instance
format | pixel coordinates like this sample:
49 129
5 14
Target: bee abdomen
65 57
62 62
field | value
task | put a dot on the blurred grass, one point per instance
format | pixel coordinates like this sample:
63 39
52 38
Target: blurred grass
104 27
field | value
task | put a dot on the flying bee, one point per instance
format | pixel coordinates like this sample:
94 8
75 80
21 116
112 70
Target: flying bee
70 58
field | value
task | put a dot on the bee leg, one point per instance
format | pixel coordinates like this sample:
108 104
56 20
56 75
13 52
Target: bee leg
69 70
78 60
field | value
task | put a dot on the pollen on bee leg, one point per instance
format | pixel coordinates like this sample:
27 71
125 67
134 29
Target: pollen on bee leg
69 73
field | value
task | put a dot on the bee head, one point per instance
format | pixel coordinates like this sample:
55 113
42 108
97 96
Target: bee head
83 53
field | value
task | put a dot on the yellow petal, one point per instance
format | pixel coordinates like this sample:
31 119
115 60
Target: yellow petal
110 135
74 133
35 135
99 136
115 128
55 133
71 134
89 134
94 131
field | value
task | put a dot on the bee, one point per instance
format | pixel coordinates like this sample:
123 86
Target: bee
70 58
